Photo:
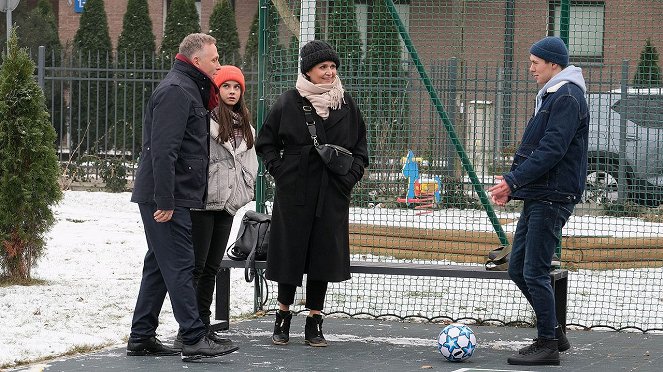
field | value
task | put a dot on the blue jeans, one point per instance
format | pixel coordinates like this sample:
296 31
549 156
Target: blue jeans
537 235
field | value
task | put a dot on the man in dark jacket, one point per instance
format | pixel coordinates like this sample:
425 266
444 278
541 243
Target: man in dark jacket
171 179
548 172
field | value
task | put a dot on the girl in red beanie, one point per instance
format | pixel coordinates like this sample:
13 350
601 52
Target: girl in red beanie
233 167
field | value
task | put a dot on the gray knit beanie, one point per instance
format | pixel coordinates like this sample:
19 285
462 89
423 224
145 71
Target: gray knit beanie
314 52
551 49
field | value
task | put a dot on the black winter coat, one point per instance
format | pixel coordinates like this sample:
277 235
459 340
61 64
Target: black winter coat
309 232
173 164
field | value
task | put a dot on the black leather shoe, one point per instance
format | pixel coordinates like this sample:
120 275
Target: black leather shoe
212 335
149 347
205 348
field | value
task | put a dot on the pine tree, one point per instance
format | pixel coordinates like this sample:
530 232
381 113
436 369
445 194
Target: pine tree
39 27
137 35
223 27
136 51
28 165
92 35
648 73
92 98
182 19
250 61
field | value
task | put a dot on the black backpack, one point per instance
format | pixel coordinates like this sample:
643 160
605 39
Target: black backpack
252 242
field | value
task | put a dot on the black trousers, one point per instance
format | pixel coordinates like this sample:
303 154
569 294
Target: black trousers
315 294
167 268
210 232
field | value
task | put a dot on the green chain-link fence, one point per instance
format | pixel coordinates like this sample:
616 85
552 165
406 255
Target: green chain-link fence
447 82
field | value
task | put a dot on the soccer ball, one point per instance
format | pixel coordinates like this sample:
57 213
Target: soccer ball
456 342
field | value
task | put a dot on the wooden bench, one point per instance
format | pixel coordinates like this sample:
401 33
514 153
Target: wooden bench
558 277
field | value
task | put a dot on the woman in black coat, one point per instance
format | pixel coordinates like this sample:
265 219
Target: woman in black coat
309 230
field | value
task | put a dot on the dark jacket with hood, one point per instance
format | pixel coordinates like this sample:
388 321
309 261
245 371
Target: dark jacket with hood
173 164
309 231
551 161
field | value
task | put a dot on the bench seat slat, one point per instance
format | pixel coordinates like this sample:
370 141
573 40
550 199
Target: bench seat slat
414 269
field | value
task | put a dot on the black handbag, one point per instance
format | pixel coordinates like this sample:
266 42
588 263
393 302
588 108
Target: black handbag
252 242
337 158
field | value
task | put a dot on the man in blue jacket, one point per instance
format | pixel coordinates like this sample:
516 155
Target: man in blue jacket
548 173
171 179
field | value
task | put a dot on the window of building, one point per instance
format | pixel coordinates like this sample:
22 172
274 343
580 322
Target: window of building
586 29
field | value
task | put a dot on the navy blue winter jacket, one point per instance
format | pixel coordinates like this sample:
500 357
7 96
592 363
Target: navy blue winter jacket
551 161
173 163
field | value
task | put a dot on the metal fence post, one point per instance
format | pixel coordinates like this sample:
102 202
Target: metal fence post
621 185
452 90
41 66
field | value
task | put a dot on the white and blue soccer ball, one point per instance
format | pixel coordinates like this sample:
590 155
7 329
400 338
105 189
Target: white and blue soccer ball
456 342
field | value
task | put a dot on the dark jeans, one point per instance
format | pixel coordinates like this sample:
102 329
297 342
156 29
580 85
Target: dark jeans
315 294
537 235
210 231
168 267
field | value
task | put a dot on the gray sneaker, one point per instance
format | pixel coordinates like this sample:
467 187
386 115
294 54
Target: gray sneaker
205 348
212 335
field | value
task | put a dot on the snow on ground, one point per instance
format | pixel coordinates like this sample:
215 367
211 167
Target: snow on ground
93 262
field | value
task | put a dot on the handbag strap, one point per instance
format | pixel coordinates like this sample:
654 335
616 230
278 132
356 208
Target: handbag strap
310 124
498 260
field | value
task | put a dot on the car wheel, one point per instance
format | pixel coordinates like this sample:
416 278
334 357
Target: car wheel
602 184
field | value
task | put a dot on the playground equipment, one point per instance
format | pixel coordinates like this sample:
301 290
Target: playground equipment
421 192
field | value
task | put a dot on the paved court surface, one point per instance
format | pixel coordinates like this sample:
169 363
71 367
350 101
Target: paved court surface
374 345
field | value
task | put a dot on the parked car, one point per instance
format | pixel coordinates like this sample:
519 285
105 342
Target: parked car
638 139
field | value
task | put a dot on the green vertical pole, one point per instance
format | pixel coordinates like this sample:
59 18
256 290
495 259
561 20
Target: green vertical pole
448 125
261 180
262 39
564 20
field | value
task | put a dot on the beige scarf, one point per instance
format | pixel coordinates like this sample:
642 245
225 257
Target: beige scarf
322 96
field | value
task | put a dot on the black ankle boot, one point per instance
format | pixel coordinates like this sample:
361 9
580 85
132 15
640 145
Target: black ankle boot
542 352
281 334
313 331
563 343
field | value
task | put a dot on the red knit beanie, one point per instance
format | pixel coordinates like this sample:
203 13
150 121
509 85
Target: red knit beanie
228 72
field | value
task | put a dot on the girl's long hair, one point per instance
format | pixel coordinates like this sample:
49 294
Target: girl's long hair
222 115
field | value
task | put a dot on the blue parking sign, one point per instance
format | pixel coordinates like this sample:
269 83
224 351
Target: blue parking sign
78 5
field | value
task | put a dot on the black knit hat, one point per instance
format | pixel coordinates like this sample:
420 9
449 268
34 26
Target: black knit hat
314 52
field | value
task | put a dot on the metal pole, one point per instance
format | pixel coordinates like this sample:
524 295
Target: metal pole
307 22
621 182
261 181
564 21
41 66
9 24
506 93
